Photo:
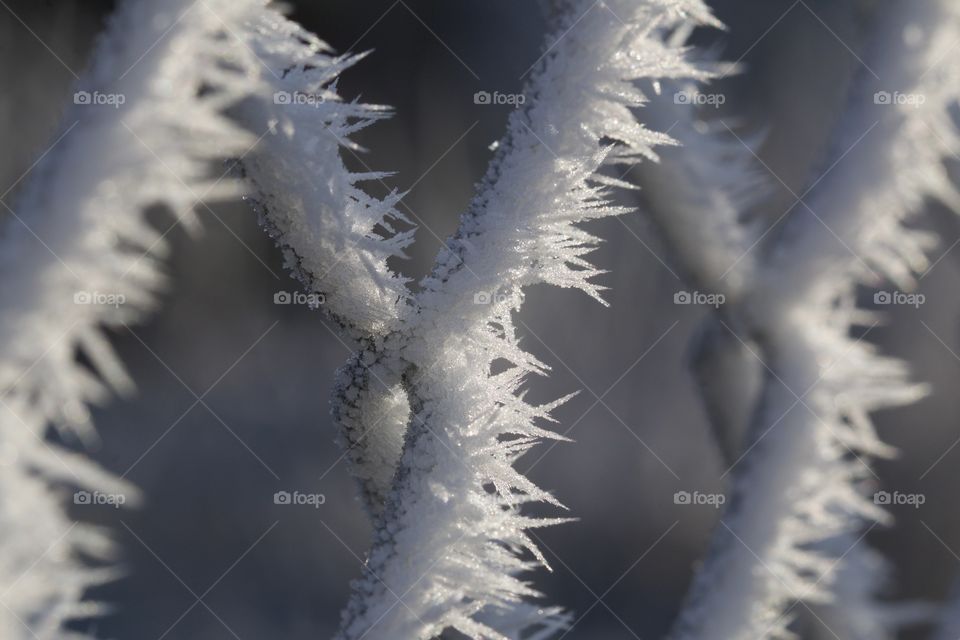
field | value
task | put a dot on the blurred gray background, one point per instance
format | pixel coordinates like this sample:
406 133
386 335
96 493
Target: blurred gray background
209 467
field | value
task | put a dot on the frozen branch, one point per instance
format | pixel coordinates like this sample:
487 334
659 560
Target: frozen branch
798 484
78 256
335 238
452 537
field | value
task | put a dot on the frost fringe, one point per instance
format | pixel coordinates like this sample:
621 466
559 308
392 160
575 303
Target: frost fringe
452 545
451 539
801 481
77 257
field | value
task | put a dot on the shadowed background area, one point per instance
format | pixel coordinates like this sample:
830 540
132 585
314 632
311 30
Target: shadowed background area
232 402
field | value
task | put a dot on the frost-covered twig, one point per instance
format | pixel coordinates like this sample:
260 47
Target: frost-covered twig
798 484
699 195
78 255
335 238
707 232
451 544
